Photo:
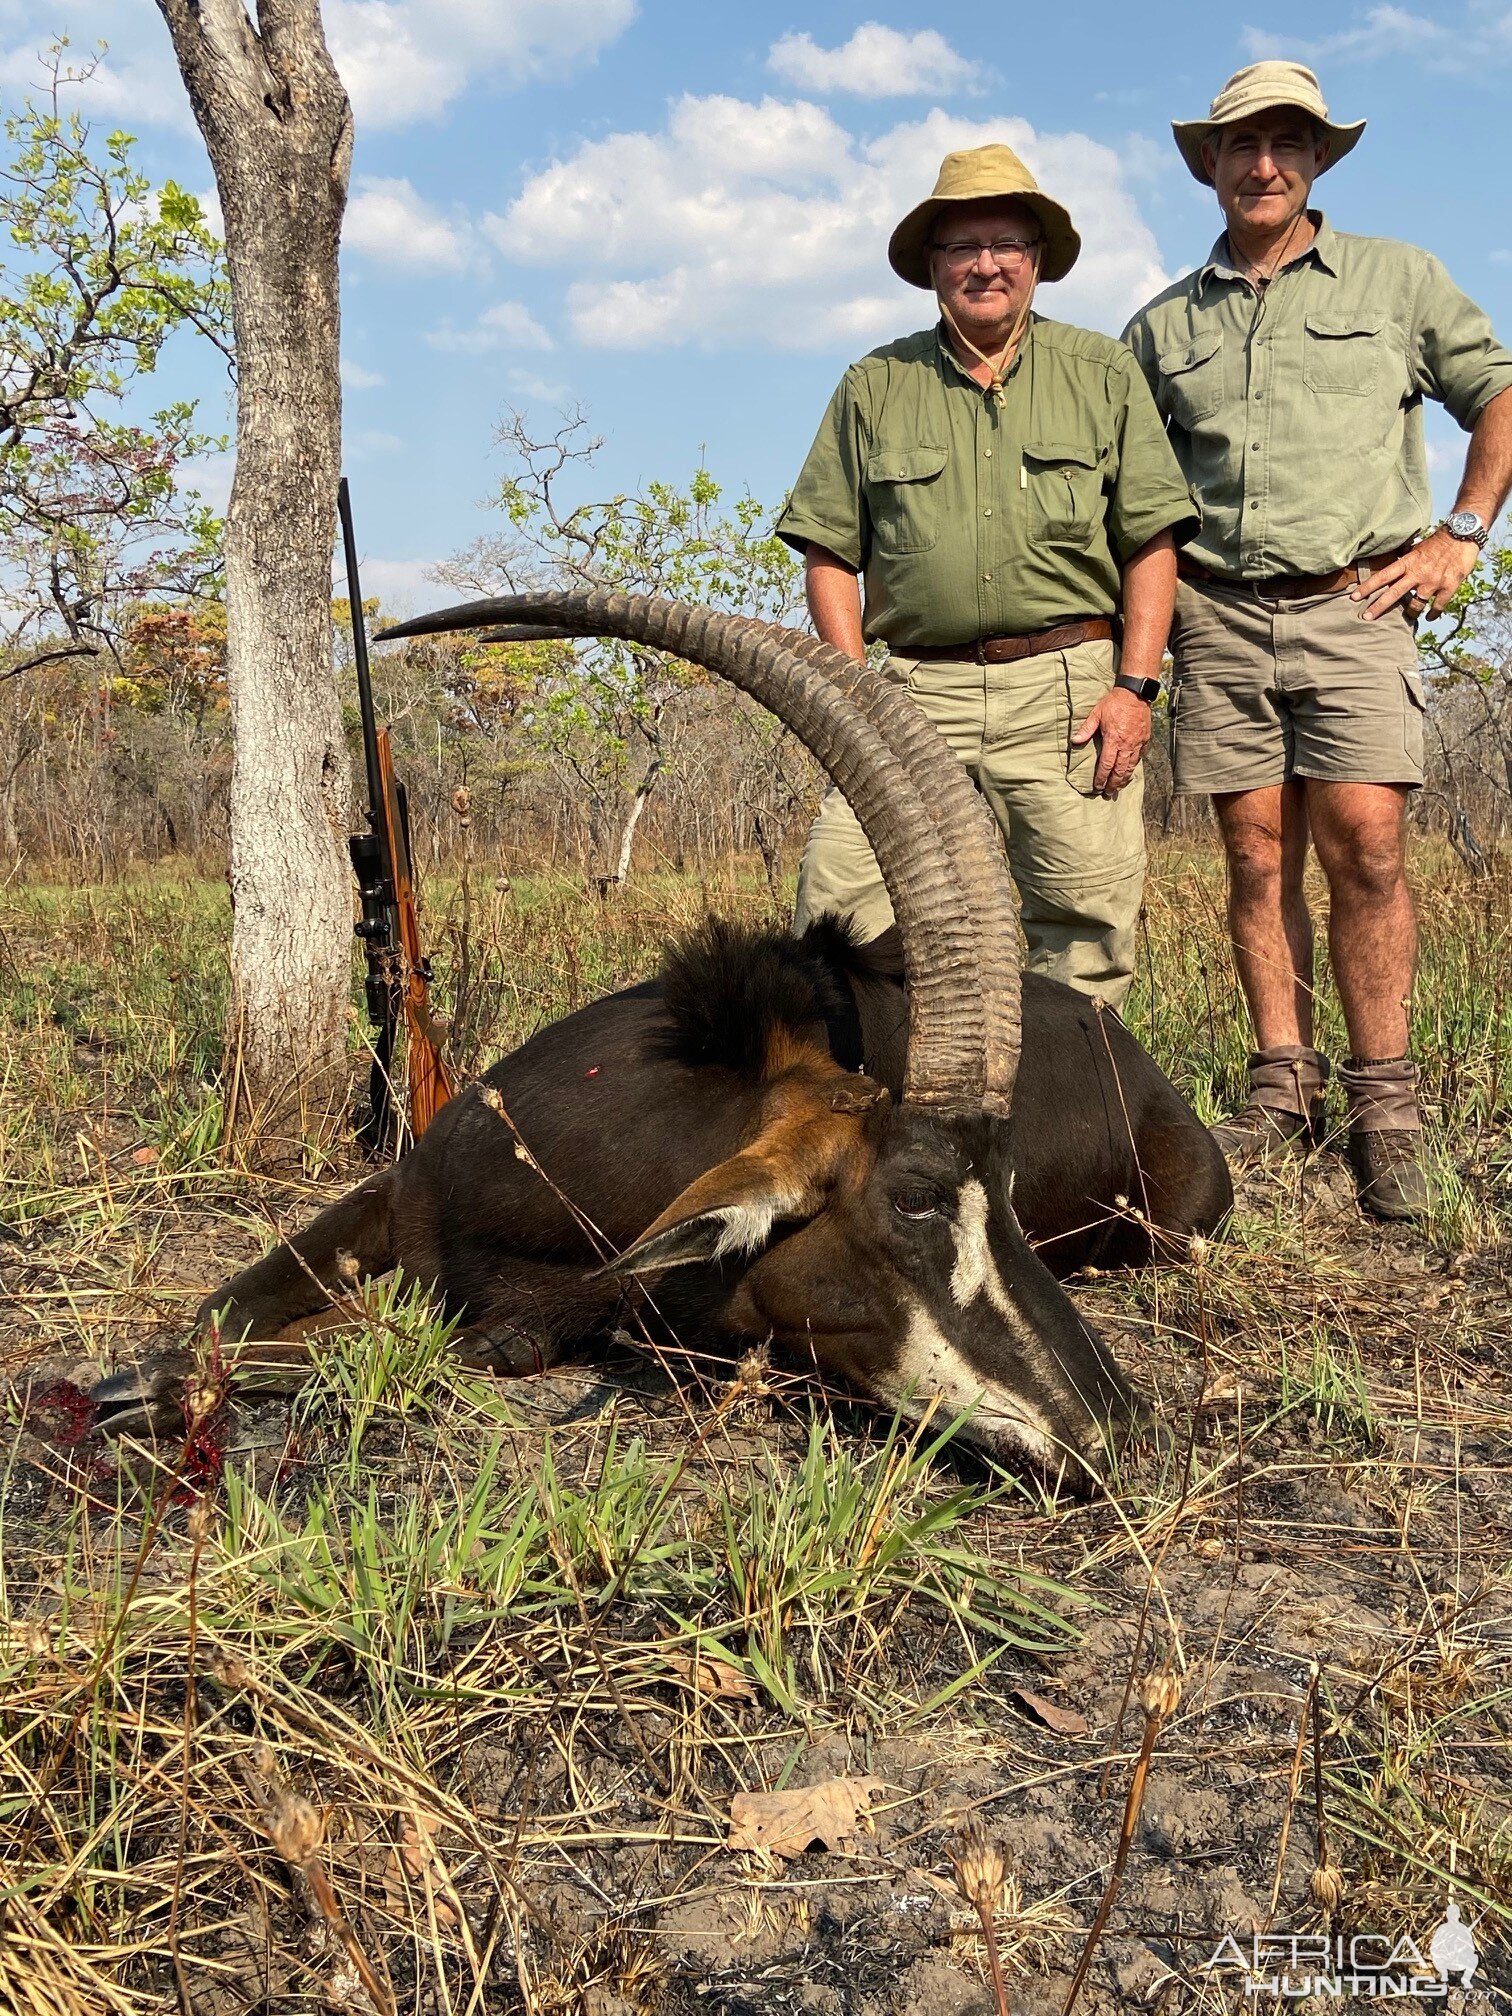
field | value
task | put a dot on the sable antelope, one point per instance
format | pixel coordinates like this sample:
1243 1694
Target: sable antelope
788 1139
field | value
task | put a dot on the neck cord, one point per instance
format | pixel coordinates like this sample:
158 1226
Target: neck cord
999 367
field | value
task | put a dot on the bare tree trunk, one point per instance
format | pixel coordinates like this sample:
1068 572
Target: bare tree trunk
617 878
278 127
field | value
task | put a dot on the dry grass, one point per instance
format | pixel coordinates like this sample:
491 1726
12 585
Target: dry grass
414 1692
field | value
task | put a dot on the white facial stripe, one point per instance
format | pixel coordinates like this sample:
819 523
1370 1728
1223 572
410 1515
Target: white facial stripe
975 1269
929 1365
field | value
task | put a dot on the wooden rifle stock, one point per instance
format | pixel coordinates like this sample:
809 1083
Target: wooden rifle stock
398 983
430 1083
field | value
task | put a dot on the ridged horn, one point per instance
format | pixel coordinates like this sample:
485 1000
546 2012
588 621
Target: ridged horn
967 831
971 839
947 1043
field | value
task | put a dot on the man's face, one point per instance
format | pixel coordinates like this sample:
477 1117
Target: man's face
985 292
1263 168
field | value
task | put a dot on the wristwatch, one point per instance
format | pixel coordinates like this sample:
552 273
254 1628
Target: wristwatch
1147 690
1466 525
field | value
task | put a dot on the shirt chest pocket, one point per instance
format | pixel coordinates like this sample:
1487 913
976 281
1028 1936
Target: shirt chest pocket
1191 380
1342 353
903 498
1064 481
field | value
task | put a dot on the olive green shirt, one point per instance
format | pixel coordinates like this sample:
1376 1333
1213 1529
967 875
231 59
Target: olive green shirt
1297 414
969 519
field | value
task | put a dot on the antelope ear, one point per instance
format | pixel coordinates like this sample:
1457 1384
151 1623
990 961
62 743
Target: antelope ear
705 1235
785 1173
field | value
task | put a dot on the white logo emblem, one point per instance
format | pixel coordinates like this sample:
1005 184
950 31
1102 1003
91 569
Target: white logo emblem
1452 1947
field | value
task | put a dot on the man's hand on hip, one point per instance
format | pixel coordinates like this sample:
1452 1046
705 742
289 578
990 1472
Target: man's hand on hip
1124 725
1426 576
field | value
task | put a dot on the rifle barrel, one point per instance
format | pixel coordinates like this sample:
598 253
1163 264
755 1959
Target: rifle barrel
360 657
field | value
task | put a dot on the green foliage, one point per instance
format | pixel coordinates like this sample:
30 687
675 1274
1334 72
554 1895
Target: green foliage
104 270
609 715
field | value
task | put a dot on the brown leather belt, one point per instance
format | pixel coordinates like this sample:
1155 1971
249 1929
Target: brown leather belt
1004 650
1292 587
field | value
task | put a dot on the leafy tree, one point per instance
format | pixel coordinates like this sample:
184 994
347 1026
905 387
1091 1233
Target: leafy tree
1468 664
101 270
611 721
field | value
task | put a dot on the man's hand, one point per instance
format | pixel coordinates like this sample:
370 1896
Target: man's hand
1426 576
1124 724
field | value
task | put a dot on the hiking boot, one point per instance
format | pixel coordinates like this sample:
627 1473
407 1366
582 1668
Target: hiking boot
1389 1176
1262 1134
1385 1136
1285 1105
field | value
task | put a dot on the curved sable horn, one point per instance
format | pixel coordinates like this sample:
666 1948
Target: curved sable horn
971 839
525 633
947 1043
967 830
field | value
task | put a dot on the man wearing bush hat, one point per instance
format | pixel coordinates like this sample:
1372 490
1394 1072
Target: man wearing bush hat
1291 370
1002 486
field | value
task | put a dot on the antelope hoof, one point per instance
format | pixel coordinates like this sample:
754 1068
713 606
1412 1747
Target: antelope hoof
142 1399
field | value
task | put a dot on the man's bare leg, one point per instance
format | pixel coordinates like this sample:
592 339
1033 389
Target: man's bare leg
1265 843
1361 836
1265 837
1360 831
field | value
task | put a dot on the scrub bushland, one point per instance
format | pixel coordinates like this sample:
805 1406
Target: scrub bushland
411 1690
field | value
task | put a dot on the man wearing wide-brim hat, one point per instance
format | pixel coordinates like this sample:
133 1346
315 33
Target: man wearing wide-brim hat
1291 370
1001 486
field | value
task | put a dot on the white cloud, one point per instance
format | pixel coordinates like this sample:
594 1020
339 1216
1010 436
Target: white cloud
546 391
357 377
368 441
209 475
877 62
508 325
389 221
767 225
401 60
404 60
137 86
403 587
1483 35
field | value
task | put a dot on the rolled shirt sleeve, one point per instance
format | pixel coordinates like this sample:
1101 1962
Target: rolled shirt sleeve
1456 357
827 506
1149 494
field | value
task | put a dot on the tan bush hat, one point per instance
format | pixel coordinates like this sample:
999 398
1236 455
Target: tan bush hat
971 176
1255 89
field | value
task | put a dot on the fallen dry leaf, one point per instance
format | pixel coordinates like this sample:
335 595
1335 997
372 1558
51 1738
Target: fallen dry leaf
786 1823
715 1677
414 1863
1064 1721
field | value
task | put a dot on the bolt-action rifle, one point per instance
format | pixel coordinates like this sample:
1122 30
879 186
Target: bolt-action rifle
398 975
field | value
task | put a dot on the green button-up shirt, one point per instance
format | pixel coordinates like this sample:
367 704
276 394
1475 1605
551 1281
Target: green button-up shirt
969 519
1297 414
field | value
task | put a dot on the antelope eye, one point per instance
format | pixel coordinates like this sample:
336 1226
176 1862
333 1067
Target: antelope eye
916 1204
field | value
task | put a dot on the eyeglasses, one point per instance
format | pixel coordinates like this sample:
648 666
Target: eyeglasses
1008 253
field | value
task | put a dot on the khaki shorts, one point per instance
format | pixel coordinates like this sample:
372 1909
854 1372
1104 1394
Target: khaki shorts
1078 859
1266 690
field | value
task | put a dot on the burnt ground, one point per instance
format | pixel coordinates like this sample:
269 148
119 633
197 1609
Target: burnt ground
1338 1492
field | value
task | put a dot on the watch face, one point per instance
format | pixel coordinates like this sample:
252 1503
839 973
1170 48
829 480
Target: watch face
1464 525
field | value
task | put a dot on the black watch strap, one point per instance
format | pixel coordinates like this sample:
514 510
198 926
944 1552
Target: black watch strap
1147 690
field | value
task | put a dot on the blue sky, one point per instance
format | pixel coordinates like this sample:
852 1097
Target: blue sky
675 215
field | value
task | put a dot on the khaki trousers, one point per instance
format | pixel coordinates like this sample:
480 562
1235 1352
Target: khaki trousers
1078 860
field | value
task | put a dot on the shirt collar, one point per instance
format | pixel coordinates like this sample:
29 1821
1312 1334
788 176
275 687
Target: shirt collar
947 351
1324 249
